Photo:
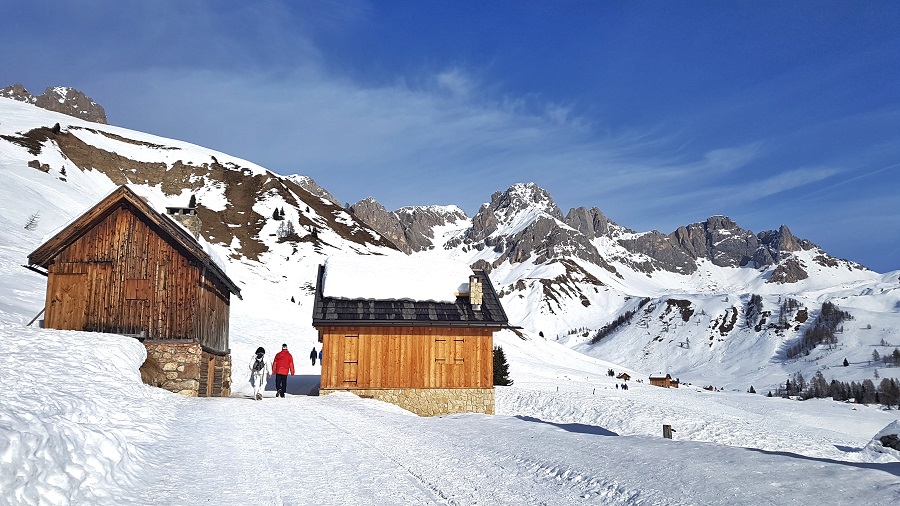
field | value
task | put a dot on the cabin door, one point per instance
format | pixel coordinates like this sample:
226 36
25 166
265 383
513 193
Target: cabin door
66 302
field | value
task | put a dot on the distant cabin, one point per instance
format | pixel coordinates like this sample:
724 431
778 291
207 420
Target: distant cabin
663 381
431 354
624 376
122 267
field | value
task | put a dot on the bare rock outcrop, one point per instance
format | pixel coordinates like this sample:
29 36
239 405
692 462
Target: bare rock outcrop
308 184
59 99
379 219
410 228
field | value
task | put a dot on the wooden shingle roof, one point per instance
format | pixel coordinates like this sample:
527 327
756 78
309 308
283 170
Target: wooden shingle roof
44 255
341 311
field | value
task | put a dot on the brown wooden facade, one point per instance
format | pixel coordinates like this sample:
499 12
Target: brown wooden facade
124 268
406 357
663 381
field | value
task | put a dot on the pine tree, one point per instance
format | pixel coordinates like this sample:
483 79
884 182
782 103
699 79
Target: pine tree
752 390
286 231
193 202
501 368
846 363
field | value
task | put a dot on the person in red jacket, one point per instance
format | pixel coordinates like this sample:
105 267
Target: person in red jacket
282 366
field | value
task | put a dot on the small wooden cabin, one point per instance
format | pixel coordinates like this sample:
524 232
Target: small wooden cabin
663 381
430 357
624 376
122 267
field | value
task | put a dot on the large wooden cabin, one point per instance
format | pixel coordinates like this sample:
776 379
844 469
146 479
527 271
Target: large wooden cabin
428 356
122 267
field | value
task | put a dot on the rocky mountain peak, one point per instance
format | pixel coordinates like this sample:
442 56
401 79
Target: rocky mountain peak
521 197
308 184
59 99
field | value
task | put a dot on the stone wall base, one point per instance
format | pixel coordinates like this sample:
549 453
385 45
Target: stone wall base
184 368
430 401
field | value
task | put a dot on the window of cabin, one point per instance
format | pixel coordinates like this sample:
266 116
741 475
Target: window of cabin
449 351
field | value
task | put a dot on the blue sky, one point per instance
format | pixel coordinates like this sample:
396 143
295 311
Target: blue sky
658 113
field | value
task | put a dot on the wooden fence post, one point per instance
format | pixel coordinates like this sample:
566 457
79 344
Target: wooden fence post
667 431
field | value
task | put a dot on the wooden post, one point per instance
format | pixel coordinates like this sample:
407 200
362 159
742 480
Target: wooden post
667 431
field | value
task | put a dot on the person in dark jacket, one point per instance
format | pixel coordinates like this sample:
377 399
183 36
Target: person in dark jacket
313 355
282 366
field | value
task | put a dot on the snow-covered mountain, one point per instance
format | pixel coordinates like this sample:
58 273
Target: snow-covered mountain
683 299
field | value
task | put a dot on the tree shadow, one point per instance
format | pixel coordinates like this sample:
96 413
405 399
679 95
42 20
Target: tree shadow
889 467
573 427
299 384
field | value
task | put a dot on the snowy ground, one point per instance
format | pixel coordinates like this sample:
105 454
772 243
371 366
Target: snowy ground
78 427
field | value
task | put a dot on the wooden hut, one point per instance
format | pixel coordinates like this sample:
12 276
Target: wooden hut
430 357
664 381
122 267
624 376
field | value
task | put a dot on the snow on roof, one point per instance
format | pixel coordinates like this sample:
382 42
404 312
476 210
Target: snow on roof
394 277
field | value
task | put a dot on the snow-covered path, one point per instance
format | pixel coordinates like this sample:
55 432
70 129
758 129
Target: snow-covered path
340 449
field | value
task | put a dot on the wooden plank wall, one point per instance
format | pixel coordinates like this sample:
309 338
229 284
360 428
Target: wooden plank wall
407 357
136 281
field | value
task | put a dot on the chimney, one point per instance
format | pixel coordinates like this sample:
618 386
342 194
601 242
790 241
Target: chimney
188 218
475 293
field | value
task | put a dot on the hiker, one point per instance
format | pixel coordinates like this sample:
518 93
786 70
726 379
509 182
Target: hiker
282 366
313 355
259 371
320 356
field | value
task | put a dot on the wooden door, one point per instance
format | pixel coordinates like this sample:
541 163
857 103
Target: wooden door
66 302
210 376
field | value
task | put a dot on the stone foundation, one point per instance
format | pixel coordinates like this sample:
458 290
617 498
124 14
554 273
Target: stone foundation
430 401
186 369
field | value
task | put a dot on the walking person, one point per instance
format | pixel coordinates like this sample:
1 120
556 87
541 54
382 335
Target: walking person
282 366
313 355
259 371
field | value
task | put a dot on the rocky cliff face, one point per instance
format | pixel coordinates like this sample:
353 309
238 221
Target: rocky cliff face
411 228
61 99
720 240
